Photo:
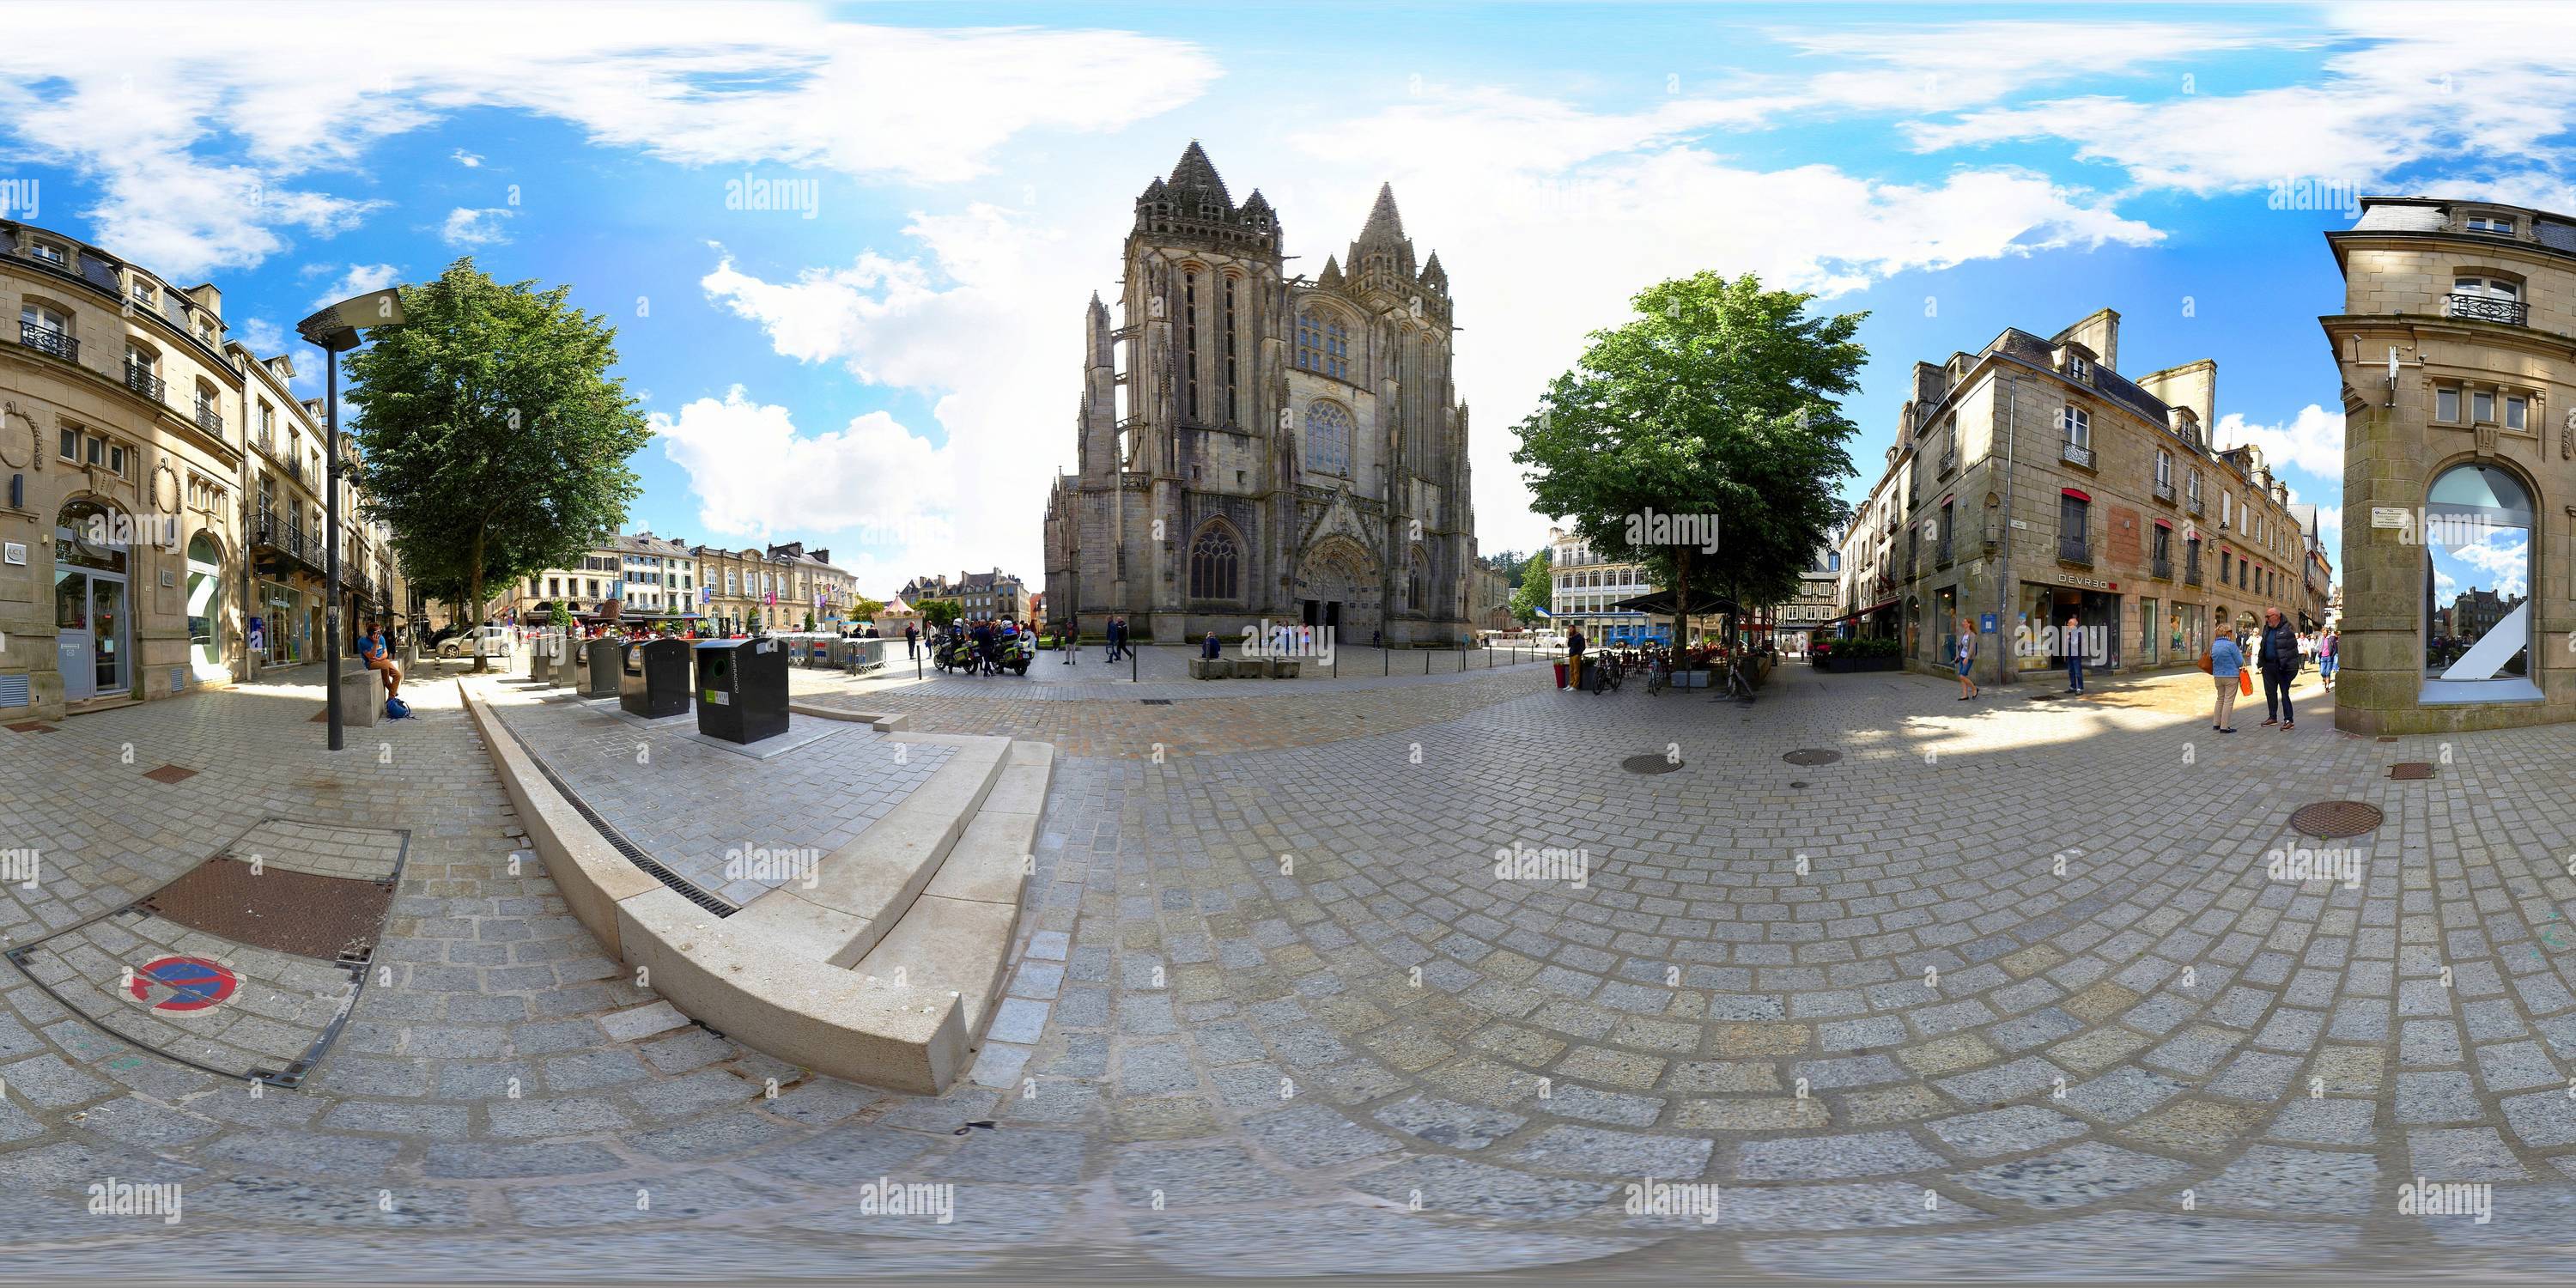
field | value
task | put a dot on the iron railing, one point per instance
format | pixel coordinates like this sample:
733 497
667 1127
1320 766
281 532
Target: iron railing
2073 549
2164 489
2487 308
208 419
2164 569
2075 453
140 379
2191 573
45 339
2191 504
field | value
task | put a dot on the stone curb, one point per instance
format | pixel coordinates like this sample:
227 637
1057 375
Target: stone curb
734 979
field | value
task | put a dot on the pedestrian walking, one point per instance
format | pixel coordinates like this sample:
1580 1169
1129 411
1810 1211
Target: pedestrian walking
2224 662
2277 656
2328 644
2073 641
1967 658
911 641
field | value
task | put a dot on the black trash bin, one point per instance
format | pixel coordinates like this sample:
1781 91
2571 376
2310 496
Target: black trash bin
742 689
653 679
603 670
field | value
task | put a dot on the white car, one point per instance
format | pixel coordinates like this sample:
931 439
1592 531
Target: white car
482 641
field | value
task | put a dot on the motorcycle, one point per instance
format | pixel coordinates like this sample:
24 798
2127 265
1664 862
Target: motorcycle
1017 651
955 651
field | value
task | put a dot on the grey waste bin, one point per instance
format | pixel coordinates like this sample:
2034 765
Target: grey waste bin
742 689
653 679
601 669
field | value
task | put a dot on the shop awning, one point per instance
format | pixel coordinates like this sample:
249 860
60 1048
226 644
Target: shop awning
1661 603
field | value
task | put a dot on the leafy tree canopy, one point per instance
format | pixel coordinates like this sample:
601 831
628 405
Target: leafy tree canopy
1715 406
1531 594
493 439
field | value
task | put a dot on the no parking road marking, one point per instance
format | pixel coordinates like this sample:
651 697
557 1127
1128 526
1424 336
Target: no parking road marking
182 984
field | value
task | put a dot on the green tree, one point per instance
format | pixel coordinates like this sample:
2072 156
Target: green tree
493 439
1531 594
809 621
751 624
866 609
940 612
1715 403
561 618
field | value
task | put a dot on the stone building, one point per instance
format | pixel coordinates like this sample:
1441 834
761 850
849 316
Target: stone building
2032 481
1257 446
2459 395
162 526
779 585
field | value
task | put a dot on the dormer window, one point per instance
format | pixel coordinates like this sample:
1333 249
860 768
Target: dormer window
145 294
49 252
2500 225
2076 369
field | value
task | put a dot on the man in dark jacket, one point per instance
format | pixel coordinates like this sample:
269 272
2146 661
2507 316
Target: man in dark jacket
2278 658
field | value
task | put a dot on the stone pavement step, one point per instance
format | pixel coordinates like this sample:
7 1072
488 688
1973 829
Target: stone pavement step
861 889
957 935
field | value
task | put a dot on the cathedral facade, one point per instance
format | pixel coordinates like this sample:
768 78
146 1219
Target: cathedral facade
1258 447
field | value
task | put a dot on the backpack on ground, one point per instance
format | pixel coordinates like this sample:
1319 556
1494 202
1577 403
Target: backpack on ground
397 709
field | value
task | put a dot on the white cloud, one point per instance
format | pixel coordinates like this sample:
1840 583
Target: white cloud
758 478
358 280
293 90
981 324
469 160
1924 68
1548 218
2312 441
2477 95
469 227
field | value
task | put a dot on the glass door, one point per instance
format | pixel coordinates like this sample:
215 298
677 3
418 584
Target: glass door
74 644
107 629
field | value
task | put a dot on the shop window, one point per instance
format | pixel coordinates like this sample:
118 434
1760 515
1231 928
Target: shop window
2477 587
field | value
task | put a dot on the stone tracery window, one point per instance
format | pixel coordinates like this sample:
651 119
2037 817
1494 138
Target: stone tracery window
1215 561
1329 431
1323 345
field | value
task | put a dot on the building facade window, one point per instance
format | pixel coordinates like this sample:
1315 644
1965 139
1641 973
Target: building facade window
2477 586
1215 562
2075 425
1323 345
1329 430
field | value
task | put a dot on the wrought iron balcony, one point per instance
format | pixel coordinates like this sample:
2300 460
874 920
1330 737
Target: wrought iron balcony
1949 458
2191 575
2191 504
140 379
2073 549
2164 489
2487 308
208 419
2164 569
45 339
2075 453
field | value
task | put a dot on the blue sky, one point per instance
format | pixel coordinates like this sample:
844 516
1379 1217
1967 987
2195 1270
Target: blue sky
890 367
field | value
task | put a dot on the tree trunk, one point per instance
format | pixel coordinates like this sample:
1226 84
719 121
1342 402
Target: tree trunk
1681 598
474 596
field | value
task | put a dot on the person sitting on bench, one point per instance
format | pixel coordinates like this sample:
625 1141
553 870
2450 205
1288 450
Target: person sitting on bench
371 648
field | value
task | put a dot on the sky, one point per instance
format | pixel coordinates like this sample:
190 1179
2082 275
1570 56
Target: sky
847 249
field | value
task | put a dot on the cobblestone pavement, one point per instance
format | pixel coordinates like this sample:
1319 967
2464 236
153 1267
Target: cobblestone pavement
735 826
2007 990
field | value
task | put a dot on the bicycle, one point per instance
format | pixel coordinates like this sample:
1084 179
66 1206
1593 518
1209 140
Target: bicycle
1605 675
1659 675
1737 686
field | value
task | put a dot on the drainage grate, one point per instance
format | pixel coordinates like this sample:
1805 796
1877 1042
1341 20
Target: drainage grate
1812 756
1650 763
2388 737
2411 769
171 774
2331 820
1155 702
617 841
280 909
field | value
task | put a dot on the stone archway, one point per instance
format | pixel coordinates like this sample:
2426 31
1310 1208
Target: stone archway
1338 582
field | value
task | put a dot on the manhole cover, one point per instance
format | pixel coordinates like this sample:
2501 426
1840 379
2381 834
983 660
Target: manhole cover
171 774
1812 756
1649 763
248 965
2411 769
31 726
2332 819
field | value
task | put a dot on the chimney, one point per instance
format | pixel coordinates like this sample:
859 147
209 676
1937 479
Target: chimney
207 298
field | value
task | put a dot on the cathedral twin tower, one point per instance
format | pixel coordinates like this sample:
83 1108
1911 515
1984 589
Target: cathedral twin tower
1272 447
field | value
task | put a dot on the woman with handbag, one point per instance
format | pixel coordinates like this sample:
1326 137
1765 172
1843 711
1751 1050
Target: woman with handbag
2226 665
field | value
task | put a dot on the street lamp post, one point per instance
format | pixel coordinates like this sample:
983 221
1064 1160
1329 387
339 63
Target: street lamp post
335 331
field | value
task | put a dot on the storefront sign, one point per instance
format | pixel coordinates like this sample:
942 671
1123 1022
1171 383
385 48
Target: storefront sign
2086 583
2389 516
